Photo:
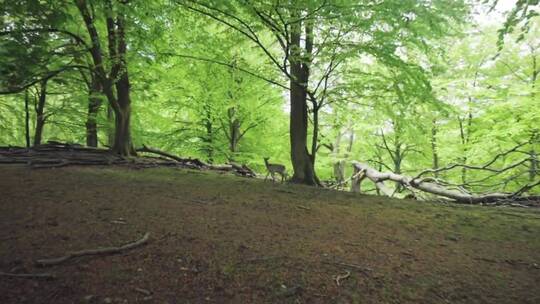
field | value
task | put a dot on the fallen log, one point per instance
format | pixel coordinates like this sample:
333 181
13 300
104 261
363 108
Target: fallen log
197 163
427 185
98 251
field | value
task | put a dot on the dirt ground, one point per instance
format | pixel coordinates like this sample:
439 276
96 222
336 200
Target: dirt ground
217 238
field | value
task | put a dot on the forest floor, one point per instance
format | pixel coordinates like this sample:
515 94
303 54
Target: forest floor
217 238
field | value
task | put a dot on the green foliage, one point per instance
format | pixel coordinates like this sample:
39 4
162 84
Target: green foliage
411 82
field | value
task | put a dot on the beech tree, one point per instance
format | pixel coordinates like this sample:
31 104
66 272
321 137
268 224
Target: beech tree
315 38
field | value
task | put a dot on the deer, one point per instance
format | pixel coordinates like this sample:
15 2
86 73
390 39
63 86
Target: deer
275 168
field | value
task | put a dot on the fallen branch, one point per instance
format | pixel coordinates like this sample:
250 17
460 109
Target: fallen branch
143 291
364 270
195 161
485 167
340 277
99 251
428 185
198 164
45 276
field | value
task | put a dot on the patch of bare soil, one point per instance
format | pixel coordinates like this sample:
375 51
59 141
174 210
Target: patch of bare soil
216 238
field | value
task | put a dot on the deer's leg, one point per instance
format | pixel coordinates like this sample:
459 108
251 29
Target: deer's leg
266 177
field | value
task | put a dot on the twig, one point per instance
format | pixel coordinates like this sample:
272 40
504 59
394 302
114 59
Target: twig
364 270
340 277
303 207
99 251
46 276
143 291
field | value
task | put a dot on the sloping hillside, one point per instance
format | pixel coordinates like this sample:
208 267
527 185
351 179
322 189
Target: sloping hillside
216 238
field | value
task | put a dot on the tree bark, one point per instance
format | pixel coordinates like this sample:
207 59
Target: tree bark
209 136
533 168
94 103
122 137
234 129
40 113
339 171
304 172
315 136
26 118
110 126
117 78
434 152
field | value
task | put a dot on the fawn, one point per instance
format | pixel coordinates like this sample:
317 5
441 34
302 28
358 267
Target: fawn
275 168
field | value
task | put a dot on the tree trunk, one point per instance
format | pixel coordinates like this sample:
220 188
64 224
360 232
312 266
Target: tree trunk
94 103
209 136
304 172
118 74
26 119
110 126
337 144
234 130
339 171
351 142
533 169
122 134
434 152
465 132
40 113
315 136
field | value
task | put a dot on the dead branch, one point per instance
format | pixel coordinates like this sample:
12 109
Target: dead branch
198 164
45 276
360 268
340 277
428 185
195 161
485 167
145 292
99 251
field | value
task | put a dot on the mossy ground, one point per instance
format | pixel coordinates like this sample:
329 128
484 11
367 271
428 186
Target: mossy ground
217 238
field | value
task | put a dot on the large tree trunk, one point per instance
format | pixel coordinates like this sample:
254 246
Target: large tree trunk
118 74
94 103
122 136
122 113
304 172
40 113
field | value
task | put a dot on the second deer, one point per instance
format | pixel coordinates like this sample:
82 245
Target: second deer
273 169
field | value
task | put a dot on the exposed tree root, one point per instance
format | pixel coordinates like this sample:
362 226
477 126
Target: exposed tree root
99 251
